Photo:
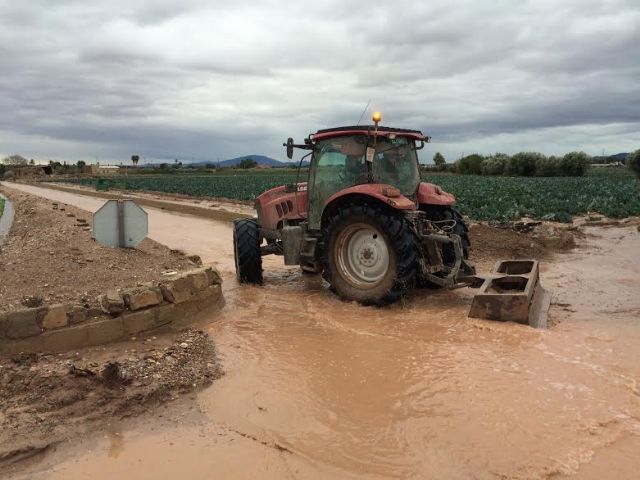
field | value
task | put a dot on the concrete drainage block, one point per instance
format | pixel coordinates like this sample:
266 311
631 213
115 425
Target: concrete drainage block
512 293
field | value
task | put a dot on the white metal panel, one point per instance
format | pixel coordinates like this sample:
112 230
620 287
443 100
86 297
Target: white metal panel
135 224
105 224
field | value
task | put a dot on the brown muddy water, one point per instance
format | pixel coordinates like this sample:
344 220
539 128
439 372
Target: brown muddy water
319 388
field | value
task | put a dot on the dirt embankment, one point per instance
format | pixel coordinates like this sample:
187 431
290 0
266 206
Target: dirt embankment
45 399
513 240
50 257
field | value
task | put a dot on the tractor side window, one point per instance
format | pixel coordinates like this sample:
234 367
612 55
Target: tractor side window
337 163
340 165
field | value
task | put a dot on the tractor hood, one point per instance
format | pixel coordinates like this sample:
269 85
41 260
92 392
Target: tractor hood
431 194
381 191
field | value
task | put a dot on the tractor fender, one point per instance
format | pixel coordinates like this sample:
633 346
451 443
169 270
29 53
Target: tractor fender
431 194
381 193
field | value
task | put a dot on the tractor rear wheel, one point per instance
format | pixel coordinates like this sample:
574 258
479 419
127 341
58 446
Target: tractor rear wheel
246 249
371 255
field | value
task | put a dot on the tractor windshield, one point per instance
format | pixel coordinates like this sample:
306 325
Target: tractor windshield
340 163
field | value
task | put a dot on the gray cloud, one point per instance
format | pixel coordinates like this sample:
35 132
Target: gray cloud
207 80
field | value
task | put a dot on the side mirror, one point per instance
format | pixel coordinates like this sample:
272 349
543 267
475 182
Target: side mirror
289 146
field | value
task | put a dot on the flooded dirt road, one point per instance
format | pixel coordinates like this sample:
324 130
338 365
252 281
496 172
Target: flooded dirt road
319 388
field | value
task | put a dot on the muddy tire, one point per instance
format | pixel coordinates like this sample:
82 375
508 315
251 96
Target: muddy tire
246 249
371 255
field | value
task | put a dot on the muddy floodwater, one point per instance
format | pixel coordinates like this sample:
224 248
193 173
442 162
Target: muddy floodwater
318 388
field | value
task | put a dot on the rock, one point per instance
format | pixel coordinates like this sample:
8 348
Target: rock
31 301
195 259
173 294
136 300
76 314
112 302
199 280
213 277
56 317
21 323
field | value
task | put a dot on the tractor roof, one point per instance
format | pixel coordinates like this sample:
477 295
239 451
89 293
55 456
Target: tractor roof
367 130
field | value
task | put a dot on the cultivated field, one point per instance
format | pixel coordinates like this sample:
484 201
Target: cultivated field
611 192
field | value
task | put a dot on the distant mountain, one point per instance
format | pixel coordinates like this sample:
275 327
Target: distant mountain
259 159
618 157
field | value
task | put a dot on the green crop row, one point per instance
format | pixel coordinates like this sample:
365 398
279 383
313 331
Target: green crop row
480 197
556 198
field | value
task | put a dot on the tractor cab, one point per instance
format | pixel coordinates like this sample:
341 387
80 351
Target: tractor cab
344 158
376 160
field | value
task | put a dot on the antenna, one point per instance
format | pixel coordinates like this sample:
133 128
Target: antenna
363 112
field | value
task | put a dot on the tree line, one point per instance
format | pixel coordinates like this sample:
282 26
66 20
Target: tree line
523 164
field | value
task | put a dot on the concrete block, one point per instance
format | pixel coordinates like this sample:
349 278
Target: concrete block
112 302
167 313
138 299
64 339
102 331
21 323
55 317
136 322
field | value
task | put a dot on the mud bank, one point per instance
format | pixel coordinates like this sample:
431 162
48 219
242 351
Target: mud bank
47 399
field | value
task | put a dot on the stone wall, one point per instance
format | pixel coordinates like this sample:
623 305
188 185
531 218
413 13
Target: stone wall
170 303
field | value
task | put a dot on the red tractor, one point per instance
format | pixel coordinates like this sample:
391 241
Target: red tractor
363 218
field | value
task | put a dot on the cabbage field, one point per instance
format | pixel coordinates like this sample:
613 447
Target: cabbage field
614 194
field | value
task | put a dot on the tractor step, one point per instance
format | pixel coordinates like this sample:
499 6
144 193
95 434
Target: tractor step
512 292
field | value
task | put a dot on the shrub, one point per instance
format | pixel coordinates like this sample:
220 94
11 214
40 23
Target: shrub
633 162
575 164
548 166
523 164
494 165
470 165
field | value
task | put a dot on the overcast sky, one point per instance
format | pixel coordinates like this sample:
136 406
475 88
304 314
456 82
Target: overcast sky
195 79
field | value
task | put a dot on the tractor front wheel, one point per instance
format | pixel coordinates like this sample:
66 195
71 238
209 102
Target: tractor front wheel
246 249
371 255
